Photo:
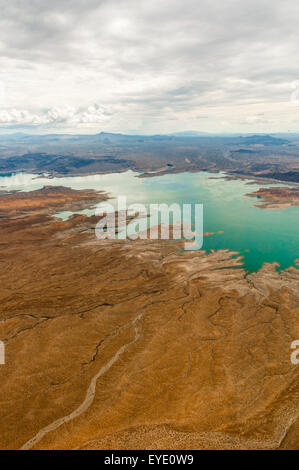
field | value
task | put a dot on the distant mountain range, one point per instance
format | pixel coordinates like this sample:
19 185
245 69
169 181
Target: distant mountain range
248 138
263 140
262 155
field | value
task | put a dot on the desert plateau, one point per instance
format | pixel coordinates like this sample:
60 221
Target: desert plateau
100 335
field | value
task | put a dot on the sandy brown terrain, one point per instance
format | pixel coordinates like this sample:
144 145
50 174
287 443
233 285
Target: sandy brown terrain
124 345
276 198
48 200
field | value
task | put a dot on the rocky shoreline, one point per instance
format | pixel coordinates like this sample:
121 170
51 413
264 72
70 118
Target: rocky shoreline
276 198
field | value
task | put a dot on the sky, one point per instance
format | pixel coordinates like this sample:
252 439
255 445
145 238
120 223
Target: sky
148 66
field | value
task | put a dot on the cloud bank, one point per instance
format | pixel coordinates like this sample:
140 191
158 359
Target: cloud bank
158 66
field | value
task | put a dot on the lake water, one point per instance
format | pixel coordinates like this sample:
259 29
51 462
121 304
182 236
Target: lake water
260 235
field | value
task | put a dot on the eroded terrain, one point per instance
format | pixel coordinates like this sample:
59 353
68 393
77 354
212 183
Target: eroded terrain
115 344
276 198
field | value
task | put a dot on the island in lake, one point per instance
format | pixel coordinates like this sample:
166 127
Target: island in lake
276 197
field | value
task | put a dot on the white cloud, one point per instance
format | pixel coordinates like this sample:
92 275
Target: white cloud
58 115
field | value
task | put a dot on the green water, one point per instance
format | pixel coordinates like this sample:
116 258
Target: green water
260 235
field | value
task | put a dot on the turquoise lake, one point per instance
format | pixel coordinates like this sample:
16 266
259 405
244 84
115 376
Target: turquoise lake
260 235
